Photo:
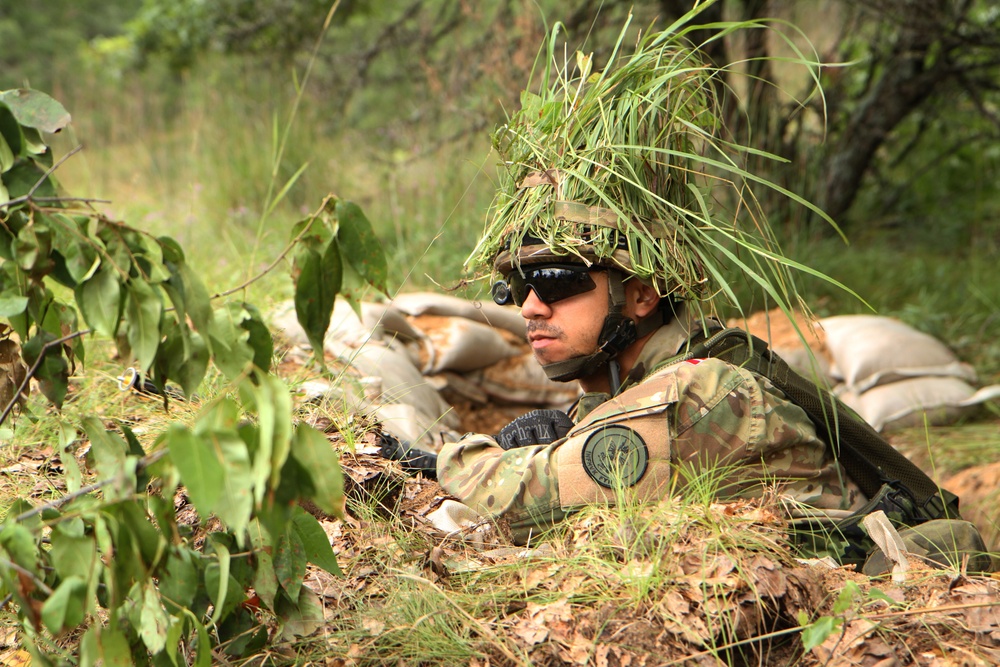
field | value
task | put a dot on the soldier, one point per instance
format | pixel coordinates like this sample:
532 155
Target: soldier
619 205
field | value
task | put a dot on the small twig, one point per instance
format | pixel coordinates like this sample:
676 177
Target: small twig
28 573
143 463
928 610
38 183
249 281
34 369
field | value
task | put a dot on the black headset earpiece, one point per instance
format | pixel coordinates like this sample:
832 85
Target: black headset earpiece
617 334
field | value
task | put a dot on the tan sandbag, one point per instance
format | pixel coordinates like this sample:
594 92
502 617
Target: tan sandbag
461 345
938 400
345 325
413 427
802 345
520 379
485 312
399 381
870 350
390 319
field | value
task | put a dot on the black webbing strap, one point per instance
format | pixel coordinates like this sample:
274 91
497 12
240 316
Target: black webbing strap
866 456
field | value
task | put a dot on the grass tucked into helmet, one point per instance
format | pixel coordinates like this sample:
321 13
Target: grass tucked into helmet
630 167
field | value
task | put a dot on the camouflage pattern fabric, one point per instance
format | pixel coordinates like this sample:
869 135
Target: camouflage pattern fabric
703 423
942 543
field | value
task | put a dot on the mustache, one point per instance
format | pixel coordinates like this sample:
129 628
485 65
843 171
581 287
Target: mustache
537 326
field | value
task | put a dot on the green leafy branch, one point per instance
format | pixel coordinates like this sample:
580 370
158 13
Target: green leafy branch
111 558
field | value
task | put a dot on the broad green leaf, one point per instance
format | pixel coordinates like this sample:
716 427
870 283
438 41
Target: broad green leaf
150 260
199 468
317 277
223 590
147 538
174 634
19 544
33 108
280 425
315 231
265 583
236 502
353 288
99 299
6 154
28 248
153 623
196 299
290 561
178 580
228 341
73 555
316 455
25 177
12 304
260 340
816 633
35 146
187 369
144 309
11 137
65 607
80 254
107 448
315 541
301 619
360 245
53 372
204 658
114 648
273 403
89 649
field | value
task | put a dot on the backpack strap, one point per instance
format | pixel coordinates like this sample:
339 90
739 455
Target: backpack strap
866 456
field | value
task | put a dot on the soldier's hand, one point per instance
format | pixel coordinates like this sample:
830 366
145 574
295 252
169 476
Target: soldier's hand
538 427
411 459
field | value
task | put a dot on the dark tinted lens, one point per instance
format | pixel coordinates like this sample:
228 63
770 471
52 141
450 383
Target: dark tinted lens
551 284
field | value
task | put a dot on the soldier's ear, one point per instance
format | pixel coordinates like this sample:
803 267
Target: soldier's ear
643 296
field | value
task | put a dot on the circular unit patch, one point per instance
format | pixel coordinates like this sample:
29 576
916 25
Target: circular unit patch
615 455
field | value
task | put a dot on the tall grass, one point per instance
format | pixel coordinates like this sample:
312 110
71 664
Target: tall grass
193 159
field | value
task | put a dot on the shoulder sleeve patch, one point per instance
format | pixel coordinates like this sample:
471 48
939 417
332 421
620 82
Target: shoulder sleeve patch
615 455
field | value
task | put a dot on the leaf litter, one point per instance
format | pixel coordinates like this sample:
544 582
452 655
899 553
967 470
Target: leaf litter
676 583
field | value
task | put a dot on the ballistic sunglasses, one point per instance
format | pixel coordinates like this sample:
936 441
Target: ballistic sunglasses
550 283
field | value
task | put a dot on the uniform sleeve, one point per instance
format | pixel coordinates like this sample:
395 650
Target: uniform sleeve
520 483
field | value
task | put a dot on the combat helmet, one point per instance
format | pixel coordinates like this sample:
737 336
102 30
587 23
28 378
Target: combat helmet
621 169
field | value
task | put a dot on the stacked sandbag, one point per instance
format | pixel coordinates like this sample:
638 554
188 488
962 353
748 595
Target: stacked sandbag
423 363
895 376
797 339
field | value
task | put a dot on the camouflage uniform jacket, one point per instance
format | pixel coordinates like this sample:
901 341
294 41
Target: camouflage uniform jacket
701 422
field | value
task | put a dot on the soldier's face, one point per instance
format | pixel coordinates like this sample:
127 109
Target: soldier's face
567 328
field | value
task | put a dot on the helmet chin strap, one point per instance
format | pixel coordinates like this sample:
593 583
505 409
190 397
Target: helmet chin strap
618 334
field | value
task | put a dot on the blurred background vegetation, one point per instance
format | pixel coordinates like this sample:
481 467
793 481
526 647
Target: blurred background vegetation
195 114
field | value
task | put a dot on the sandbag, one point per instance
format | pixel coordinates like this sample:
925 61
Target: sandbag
485 312
801 345
396 380
938 400
461 345
520 379
870 350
